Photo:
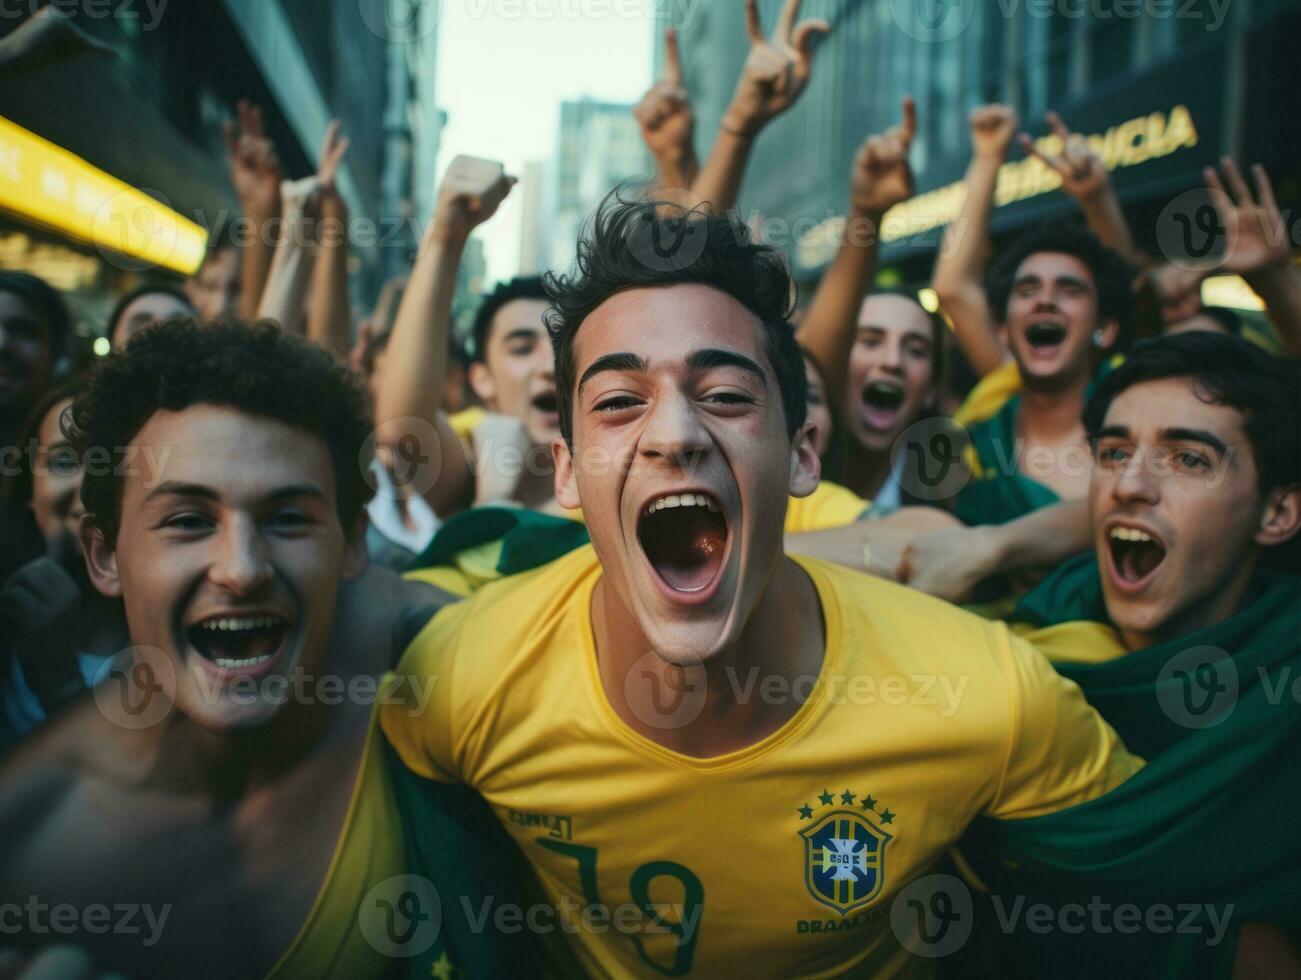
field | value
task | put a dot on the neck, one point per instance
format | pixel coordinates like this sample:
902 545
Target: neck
228 768
1054 408
866 470
750 688
1219 604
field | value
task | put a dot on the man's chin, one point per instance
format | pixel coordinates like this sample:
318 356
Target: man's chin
684 641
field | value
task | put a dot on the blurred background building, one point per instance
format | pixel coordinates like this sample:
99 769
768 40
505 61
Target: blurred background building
600 147
1168 87
143 99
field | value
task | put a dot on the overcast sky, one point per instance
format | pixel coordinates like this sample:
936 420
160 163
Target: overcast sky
503 70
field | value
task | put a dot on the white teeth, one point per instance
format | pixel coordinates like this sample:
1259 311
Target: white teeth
1130 534
231 664
681 500
249 623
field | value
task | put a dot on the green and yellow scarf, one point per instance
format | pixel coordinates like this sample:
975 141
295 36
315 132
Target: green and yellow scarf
1210 821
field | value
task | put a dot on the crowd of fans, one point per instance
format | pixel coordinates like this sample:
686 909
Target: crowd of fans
637 483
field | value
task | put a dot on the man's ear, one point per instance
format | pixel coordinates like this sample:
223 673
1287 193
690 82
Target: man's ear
480 378
1108 332
355 558
1280 519
101 559
806 467
566 478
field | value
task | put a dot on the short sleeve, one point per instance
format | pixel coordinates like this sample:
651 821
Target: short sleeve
1061 752
418 705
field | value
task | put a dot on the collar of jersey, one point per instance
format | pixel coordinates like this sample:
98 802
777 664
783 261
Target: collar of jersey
809 711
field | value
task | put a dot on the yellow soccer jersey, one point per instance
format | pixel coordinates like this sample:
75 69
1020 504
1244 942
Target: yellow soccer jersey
830 505
780 859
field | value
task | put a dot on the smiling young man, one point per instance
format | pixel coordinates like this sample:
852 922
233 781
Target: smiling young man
1185 638
225 775
1057 300
689 733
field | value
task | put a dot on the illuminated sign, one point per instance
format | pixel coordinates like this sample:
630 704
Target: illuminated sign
50 186
1128 144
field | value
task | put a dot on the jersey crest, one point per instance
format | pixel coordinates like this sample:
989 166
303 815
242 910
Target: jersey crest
844 858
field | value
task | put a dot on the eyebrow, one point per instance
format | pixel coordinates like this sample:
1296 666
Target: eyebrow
909 332
713 357
521 333
1171 435
1195 435
174 488
1060 280
622 361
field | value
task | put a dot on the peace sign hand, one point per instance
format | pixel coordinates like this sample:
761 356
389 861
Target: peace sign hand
776 70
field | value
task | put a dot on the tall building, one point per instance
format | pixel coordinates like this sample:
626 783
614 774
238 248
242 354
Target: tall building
143 117
534 251
1162 90
600 148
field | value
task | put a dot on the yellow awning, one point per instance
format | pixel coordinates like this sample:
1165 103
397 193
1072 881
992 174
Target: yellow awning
50 186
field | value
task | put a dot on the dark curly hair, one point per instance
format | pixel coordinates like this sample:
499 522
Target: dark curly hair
622 248
255 369
1111 273
521 287
1225 371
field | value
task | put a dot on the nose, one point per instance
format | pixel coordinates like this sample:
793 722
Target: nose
1136 483
672 431
891 356
547 364
240 564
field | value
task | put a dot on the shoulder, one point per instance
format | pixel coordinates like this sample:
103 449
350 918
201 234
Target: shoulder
909 624
830 505
40 774
990 394
505 616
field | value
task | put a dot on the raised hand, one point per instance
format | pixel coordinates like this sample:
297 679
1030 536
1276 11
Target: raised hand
664 113
776 70
882 177
1084 176
471 191
992 128
333 148
1257 235
254 165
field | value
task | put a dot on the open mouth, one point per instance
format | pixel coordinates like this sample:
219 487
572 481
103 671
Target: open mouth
547 402
881 403
684 537
1135 556
241 644
1045 336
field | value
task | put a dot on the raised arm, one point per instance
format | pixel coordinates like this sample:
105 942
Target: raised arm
960 267
285 293
667 123
881 179
410 389
328 315
1258 247
255 174
775 73
1085 178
